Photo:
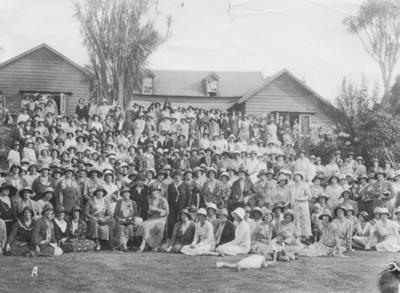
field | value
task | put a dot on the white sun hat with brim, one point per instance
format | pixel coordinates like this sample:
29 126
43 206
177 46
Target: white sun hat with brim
239 212
212 205
202 211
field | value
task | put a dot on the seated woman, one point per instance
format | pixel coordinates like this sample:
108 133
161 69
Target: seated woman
387 233
203 241
43 239
263 235
292 237
61 229
99 218
363 230
242 241
344 228
152 230
183 232
77 233
18 242
329 244
125 215
225 230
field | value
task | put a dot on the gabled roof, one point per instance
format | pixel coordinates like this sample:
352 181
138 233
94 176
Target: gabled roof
270 79
211 75
189 83
54 51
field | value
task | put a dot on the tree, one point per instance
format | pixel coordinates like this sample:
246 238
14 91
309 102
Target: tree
377 24
119 37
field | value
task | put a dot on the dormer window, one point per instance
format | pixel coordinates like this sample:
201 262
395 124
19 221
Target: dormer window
211 85
147 86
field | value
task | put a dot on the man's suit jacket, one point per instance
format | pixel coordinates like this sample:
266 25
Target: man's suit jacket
237 193
228 233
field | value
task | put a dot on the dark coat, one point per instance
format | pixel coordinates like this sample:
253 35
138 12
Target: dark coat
228 233
178 198
39 232
141 200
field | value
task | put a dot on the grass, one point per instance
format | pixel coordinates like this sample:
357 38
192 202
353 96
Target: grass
155 272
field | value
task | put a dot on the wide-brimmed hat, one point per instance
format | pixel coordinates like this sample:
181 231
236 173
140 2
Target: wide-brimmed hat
27 208
154 187
299 173
47 207
278 206
11 189
327 213
340 207
186 212
344 192
266 212
258 209
380 171
60 210
25 188
125 189
239 212
322 195
333 176
212 205
282 177
177 173
100 188
97 171
202 211
242 169
76 208
317 177
224 174
384 211
363 214
223 211
211 169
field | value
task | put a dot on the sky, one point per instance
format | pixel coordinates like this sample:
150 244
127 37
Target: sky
305 36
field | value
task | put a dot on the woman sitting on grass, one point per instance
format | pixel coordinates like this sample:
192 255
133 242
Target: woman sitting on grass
363 230
18 242
77 240
387 233
203 241
292 237
182 234
263 234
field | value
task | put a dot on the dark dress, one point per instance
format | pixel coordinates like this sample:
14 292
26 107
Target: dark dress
43 230
178 198
20 238
181 238
8 214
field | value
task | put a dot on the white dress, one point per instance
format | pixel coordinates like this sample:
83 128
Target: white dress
203 241
254 261
241 243
389 236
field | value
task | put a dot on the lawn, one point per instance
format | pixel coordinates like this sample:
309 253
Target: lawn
156 272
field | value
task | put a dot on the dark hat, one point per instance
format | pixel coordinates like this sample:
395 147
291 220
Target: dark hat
47 207
11 188
177 172
185 211
100 188
27 208
363 214
340 207
243 170
154 187
60 210
326 213
98 172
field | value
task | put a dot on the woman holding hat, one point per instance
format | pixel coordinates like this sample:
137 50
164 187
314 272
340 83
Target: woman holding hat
301 197
183 232
242 241
126 217
77 240
203 240
18 242
344 228
67 191
99 217
152 230
43 240
363 231
387 233
263 235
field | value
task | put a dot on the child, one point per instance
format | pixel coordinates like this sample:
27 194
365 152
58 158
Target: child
316 222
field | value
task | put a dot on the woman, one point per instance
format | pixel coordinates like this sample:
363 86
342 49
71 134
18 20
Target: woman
301 198
152 230
126 217
183 233
282 192
329 244
18 242
363 230
112 195
316 188
242 241
344 228
25 200
333 191
43 240
7 206
61 230
387 233
211 187
42 182
203 241
77 233
68 193
292 237
263 235
224 190
98 217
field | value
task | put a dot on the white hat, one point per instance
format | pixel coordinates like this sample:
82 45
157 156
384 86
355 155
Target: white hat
202 211
384 211
239 212
212 205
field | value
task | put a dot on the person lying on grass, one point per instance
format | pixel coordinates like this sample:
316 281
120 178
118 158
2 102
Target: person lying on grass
256 261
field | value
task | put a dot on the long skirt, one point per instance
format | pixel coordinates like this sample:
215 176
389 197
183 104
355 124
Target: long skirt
390 243
199 249
19 248
78 245
302 218
232 249
97 231
362 241
152 231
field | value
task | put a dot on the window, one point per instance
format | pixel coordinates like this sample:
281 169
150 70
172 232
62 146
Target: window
211 87
305 124
147 86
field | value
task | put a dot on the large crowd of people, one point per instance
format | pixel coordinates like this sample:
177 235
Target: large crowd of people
185 180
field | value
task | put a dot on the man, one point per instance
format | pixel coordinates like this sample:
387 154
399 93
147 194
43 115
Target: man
139 192
178 196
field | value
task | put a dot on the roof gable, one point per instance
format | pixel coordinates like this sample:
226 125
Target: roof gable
47 47
190 83
272 78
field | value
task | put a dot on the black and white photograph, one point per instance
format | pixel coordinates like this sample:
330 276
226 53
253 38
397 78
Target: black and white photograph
199 146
